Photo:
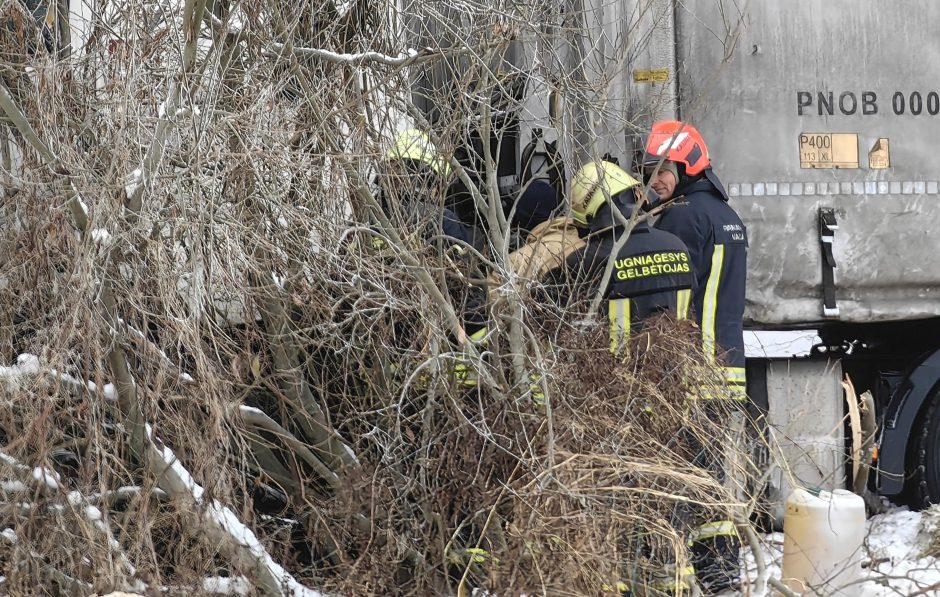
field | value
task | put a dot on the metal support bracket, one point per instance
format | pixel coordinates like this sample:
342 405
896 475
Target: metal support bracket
827 227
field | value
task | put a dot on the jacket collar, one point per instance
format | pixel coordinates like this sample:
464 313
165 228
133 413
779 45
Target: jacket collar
706 182
605 218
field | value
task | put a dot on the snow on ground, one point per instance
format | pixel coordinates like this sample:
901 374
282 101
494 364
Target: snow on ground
893 558
893 554
779 344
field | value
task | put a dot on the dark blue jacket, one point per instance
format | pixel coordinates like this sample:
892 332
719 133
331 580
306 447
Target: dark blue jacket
717 241
653 271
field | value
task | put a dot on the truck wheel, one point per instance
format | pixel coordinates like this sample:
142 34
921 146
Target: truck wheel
924 487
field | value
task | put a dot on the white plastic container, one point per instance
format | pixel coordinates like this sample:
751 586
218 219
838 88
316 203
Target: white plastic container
822 544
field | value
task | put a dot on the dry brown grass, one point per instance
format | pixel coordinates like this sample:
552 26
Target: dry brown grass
601 498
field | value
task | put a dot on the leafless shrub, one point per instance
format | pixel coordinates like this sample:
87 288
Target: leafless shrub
214 375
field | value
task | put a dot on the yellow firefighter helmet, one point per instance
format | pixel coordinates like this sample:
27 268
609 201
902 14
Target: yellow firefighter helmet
595 183
415 145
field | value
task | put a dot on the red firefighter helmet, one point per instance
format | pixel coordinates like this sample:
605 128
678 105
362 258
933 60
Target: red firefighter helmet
679 142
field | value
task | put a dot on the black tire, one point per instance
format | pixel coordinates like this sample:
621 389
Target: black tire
924 481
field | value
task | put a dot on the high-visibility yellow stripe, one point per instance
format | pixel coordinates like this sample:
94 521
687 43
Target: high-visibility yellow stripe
735 376
478 335
679 582
464 374
413 144
728 392
479 555
737 395
684 299
710 304
713 529
736 383
535 389
618 312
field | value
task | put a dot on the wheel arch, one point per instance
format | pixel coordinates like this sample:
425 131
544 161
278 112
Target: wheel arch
908 402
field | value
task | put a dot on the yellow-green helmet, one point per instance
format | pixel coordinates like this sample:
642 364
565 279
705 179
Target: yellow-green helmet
595 183
414 144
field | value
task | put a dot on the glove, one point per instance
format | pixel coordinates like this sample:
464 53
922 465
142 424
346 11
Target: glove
535 389
464 373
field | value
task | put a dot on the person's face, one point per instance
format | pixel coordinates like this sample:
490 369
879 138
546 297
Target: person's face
664 183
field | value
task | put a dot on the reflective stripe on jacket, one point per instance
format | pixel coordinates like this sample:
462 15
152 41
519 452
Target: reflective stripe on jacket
717 242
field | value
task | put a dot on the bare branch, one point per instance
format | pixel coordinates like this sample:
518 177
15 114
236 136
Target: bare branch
409 58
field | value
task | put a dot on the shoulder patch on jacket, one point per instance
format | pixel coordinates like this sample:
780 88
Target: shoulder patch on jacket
730 233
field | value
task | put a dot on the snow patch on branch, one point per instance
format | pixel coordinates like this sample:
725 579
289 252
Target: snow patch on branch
47 477
228 521
351 453
225 585
109 392
133 182
225 519
51 481
101 236
93 514
81 204
26 364
12 486
173 463
406 58
343 8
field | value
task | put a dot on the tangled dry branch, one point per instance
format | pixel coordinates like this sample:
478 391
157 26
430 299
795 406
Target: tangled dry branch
218 380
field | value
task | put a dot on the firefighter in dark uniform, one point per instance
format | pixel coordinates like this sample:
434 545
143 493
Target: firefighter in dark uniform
412 184
652 272
676 166
412 178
